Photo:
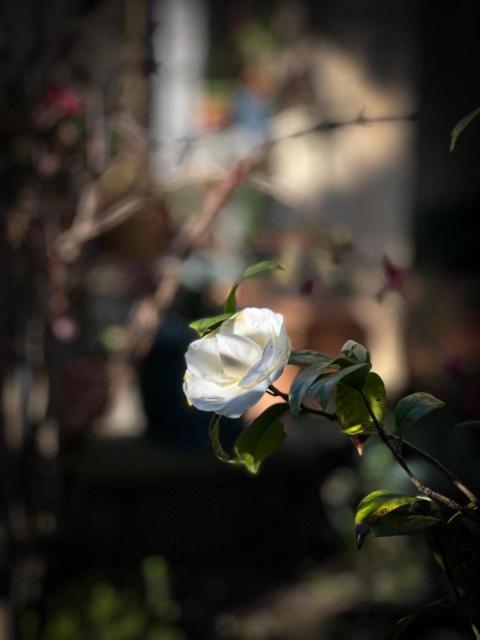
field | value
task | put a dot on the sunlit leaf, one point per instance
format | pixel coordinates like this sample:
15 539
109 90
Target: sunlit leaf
354 375
207 325
460 127
254 270
352 411
414 407
384 513
261 437
305 357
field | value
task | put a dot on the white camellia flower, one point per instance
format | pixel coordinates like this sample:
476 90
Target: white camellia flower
229 370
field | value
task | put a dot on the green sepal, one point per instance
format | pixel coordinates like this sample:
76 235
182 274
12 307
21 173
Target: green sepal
207 325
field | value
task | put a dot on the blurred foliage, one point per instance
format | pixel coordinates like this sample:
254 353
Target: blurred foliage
95 608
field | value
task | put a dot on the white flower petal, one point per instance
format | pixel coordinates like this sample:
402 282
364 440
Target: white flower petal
237 354
203 359
205 395
242 402
261 369
256 324
229 370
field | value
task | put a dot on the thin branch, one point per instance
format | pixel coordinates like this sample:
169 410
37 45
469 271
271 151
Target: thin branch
150 312
70 242
332 125
157 305
408 446
321 126
418 484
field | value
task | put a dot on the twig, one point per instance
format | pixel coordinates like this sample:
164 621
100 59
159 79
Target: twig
150 311
69 243
326 126
321 126
418 484
402 444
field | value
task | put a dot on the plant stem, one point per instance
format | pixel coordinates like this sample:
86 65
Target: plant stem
273 391
418 484
396 444
402 444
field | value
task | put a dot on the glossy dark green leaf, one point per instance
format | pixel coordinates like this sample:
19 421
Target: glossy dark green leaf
207 325
414 407
460 127
405 623
352 411
384 513
456 548
254 270
214 441
354 375
261 437
302 384
355 351
305 357
468 424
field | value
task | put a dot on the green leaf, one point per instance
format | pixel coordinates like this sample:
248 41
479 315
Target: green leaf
460 127
352 411
404 623
207 325
230 305
414 407
384 513
261 437
467 424
456 548
305 357
214 441
354 375
355 351
302 384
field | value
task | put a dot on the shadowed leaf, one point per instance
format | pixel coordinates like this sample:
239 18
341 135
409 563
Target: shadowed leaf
355 351
214 441
354 375
305 357
302 384
230 305
414 407
404 623
460 127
